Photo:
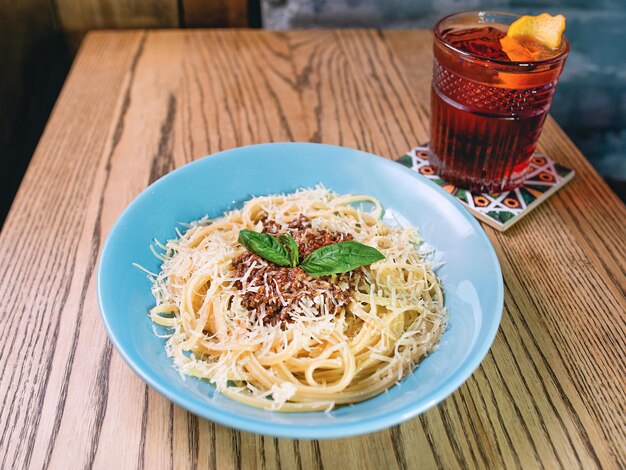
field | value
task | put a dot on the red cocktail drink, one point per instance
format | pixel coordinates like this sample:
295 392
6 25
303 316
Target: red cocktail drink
487 111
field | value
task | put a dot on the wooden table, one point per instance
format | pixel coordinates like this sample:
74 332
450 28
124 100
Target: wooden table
550 393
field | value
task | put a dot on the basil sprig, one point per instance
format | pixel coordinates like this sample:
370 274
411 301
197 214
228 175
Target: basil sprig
340 258
331 259
265 246
292 246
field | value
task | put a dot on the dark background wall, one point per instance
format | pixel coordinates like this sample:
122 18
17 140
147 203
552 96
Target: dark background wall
33 62
38 39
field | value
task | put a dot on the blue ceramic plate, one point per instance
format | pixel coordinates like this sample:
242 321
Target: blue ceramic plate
471 277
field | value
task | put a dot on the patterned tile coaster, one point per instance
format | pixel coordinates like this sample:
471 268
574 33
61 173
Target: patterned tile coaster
500 210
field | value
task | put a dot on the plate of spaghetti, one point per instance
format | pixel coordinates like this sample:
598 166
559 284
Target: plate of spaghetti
300 290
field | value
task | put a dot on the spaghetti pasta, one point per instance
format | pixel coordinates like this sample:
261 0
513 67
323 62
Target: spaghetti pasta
321 356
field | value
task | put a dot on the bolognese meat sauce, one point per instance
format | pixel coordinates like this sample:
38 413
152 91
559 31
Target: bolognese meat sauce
275 292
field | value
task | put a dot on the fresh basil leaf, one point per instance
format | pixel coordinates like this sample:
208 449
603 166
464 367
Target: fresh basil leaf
340 258
265 246
292 246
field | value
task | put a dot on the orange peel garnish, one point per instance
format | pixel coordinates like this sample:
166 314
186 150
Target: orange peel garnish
515 50
544 29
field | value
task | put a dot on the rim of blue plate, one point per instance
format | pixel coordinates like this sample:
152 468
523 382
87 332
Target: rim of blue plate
334 430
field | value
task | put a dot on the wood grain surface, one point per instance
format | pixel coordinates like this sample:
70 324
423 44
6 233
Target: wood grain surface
550 393
77 17
83 15
215 13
